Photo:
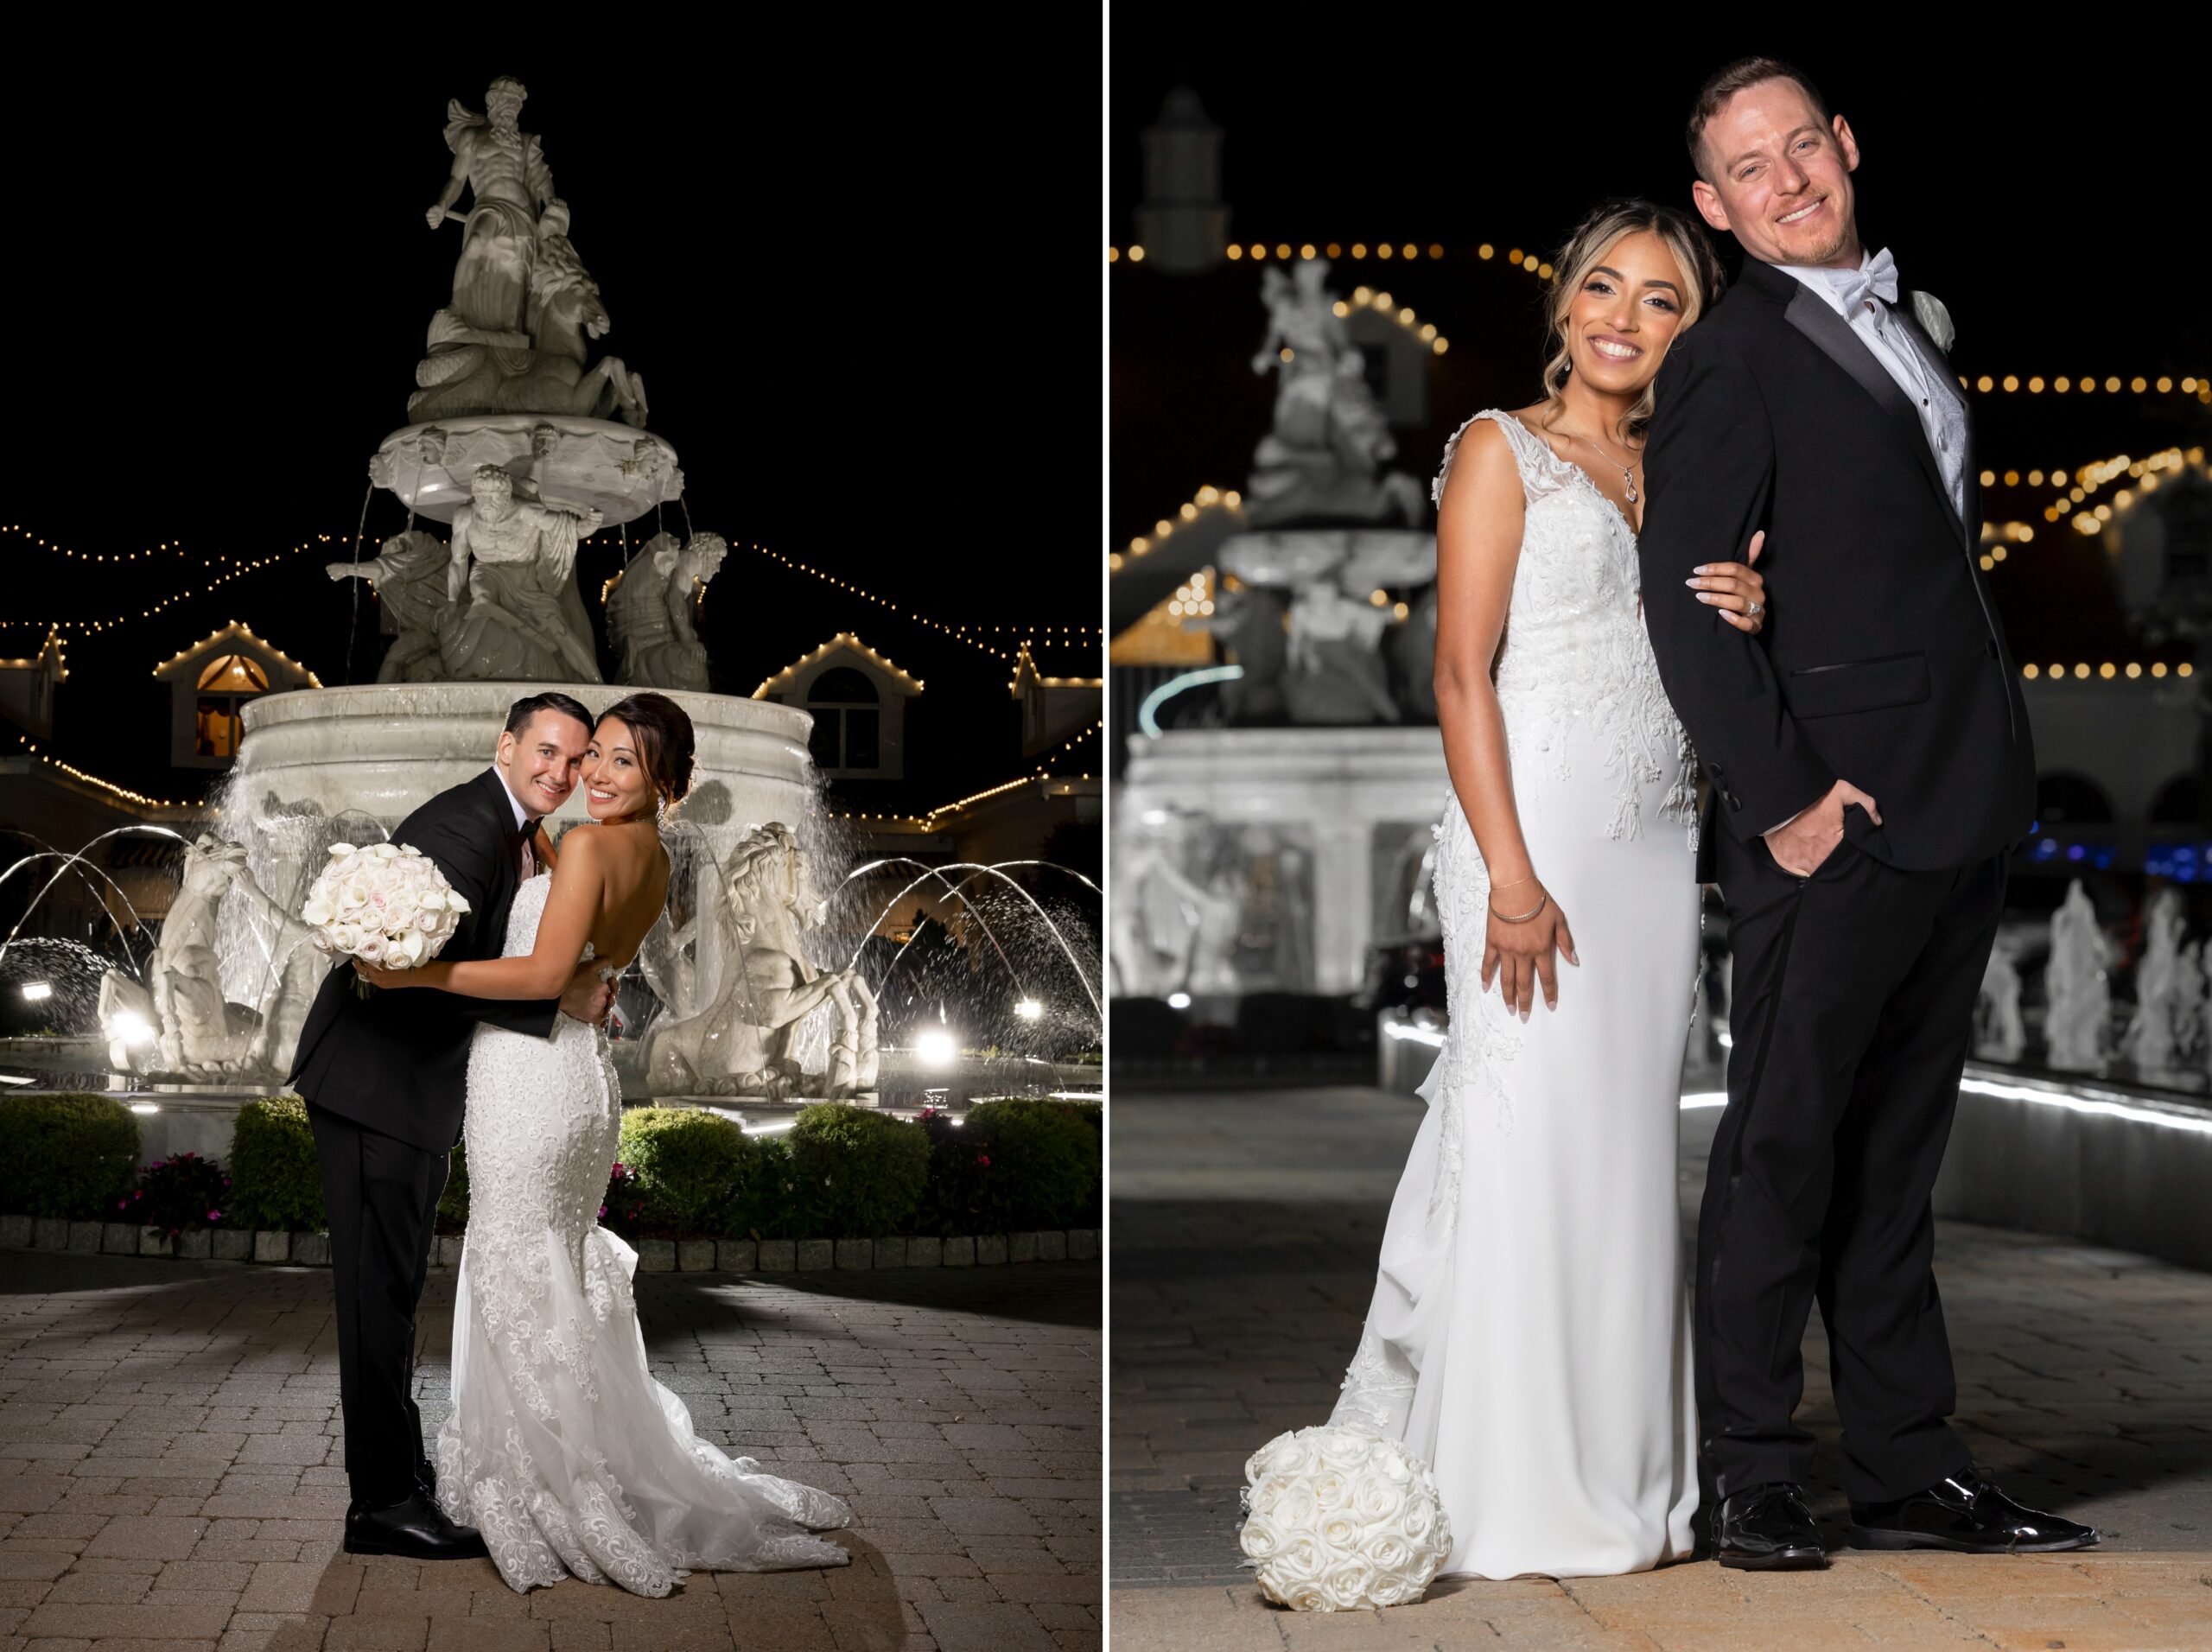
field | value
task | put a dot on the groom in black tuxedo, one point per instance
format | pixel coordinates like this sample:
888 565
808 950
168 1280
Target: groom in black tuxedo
1871 768
385 1080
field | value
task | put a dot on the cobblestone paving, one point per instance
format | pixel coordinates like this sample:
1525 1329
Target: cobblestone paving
170 1478
1244 1236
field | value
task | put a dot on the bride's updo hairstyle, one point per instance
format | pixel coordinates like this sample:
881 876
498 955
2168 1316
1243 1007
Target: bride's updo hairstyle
663 731
1595 237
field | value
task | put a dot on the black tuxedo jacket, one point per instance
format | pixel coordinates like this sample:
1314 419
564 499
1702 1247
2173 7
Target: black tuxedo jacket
1883 662
397 1062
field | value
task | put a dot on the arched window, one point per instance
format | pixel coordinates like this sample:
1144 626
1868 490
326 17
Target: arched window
229 680
2184 800
848 722
2069 800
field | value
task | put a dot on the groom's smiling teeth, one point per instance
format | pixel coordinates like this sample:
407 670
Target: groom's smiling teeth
1802 212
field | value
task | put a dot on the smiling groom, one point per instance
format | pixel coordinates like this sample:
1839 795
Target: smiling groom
1870 769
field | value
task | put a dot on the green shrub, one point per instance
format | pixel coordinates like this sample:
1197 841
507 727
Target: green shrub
865 1171
1014 1165
692 1166
65 1156
775 1203
453 1204
275 1181
182 1195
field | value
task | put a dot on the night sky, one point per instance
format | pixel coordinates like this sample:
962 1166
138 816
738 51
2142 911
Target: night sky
2042 193
219 279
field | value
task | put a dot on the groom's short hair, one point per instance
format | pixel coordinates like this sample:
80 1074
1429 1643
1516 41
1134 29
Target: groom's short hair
520 713
1744 72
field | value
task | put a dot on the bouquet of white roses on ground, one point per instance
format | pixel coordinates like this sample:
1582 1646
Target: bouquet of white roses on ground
387 905
1338 1519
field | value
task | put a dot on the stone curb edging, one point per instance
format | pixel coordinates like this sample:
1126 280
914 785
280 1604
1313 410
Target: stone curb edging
654 1255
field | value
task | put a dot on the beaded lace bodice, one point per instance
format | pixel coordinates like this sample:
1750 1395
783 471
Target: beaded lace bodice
1575 654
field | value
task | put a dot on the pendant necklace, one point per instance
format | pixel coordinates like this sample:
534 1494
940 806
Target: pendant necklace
1628 479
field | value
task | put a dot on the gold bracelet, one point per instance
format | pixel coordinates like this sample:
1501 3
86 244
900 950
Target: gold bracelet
1516 884
1524 916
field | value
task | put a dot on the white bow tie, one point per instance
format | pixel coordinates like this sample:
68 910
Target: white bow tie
1878 279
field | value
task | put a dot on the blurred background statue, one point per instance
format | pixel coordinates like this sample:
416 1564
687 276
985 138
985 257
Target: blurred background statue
409 577
2078 996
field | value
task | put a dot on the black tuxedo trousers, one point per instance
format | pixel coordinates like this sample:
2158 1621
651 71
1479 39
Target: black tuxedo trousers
1851 1005
382 1194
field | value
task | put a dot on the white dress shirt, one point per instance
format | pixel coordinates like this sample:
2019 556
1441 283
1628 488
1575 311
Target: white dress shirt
1942 411
522 819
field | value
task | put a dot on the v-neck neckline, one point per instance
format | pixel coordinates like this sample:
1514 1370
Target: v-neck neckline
1583 476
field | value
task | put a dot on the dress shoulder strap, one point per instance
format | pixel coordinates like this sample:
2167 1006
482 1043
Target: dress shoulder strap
1543 471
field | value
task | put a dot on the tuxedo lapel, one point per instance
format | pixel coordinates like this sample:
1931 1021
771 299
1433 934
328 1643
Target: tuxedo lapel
1813 315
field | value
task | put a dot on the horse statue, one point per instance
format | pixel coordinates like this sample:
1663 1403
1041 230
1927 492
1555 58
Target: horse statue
471 371
745 1043
178 1021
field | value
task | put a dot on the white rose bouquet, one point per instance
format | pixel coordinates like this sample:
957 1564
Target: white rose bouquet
386 903
1338 1519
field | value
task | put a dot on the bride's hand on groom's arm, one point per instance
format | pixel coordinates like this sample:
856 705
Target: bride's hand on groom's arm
1736 591
1525 954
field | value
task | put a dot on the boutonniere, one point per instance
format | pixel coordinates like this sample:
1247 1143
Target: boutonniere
1935 321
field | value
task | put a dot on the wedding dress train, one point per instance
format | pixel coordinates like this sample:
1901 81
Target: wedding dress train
561 1448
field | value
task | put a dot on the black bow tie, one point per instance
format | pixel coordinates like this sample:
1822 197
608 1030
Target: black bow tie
529 830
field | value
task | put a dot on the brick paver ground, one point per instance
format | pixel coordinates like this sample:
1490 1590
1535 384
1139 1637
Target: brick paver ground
1245 1235
170 1478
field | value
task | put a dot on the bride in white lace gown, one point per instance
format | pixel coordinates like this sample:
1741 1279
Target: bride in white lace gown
1528 1336
560 1447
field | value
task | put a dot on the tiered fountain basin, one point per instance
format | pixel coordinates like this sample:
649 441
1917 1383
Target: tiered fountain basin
384 749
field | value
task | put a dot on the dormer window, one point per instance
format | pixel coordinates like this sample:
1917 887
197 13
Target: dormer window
857 699
847 723
210 683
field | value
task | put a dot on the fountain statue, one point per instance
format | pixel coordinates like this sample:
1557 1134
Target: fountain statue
512 341
2168 992
649 611
409 576
179 1023
745 1042
2076 993
516 561
504 381
1325 456
2000 1033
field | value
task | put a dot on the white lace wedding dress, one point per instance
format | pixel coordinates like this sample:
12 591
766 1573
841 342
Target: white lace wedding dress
561 1448
1529 1335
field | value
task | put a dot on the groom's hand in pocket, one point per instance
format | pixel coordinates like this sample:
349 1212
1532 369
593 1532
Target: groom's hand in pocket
1801 843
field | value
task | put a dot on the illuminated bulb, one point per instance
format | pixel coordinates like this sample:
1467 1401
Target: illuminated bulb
1234 252
1029 1009
2183 669
2133 669
2010 382
936 1048
2081 671
1306 251
1358 248
2062 385
1179 1000
1486 252
2035 385
1136 255
2030 672
2158 668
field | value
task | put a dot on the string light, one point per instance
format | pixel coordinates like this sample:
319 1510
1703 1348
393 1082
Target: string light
244 568
235 628
1369 298
2083 671
2110 384
60 660
1285 251
123 793
1022 659
1205 501
842 640
169 548
959 632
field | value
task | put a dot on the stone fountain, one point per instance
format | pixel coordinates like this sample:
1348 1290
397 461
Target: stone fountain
524 447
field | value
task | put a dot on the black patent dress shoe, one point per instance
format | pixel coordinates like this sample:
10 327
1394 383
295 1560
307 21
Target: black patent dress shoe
1968 1514
1767 1528
414 1527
